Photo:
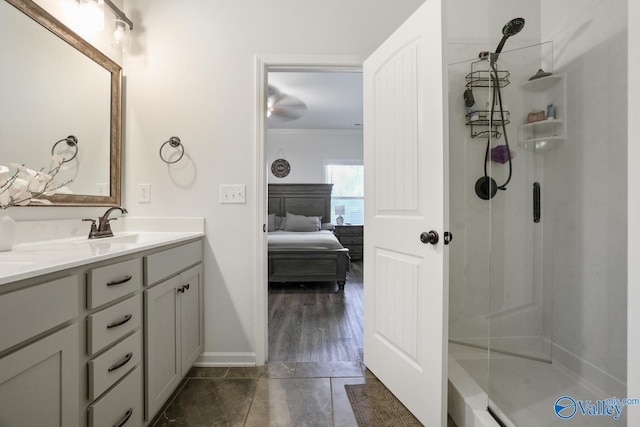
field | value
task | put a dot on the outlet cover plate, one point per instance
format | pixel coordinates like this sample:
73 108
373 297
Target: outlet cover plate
144 193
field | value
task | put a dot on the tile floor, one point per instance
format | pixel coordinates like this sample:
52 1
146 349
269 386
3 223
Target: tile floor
278 394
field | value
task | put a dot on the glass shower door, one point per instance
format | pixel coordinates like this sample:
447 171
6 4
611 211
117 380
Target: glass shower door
517 304
519 312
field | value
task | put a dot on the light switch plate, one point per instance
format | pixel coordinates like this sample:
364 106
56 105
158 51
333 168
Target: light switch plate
232 193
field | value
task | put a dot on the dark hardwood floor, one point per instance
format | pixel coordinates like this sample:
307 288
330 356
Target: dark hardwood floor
313 322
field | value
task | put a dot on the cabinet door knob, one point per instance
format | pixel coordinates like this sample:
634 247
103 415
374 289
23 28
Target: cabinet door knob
181 290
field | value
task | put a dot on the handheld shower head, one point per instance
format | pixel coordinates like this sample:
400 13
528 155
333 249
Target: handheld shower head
511 28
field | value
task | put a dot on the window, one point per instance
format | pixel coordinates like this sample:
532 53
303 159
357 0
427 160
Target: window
348 191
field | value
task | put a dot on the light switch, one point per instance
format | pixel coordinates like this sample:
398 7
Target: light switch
232 193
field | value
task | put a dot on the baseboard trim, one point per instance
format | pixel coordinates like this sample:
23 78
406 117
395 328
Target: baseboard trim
217 359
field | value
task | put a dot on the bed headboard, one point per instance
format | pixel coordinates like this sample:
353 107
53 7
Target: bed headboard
301 199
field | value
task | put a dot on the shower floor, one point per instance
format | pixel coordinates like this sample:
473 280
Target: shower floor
524 391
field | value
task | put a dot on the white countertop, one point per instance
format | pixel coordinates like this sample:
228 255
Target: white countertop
27 260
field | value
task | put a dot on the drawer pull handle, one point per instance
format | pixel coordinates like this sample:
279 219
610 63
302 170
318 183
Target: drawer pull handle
122 321
124 419
125 279
121 363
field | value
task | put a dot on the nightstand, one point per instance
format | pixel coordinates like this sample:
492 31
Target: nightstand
351 237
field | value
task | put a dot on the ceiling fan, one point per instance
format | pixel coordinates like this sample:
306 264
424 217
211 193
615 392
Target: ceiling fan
282 106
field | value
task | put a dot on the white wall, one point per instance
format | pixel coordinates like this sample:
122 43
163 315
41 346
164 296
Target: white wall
585 195
195 78
308 150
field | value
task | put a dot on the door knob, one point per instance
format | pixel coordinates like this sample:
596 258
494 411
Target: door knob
429 237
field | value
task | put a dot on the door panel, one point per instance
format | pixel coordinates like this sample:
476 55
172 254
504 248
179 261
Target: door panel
405 163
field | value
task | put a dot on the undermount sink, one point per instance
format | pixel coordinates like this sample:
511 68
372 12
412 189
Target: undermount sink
126 238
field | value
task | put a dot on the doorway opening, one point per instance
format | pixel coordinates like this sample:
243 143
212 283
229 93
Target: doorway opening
307 321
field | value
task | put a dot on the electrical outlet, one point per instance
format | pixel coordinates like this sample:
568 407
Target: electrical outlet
101 189
232 193
144 193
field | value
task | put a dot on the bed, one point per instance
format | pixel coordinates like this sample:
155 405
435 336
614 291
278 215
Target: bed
301 256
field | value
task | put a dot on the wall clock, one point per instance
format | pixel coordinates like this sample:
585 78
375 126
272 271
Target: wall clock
280 168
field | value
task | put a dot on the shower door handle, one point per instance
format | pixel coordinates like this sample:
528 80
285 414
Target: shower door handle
431 237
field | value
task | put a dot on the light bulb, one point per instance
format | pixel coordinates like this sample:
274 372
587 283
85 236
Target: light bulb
121 36
92 13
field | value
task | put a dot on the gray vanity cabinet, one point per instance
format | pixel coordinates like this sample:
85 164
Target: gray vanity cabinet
39 385
71 342
174 319
40 381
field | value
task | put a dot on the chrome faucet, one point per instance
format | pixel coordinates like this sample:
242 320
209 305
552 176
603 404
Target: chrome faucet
103 229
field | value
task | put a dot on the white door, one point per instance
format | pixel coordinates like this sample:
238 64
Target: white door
405 187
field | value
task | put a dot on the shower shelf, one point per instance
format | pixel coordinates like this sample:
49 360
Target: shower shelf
483 121
542 144
484 78
544 135
542 123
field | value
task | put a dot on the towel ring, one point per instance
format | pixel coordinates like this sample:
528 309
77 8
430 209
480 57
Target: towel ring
174 141
71 141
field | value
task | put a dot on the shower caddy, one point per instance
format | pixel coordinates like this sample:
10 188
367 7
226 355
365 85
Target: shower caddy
483 79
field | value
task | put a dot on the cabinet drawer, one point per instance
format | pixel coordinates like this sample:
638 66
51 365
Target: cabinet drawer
350 240
123 402
108 283
110 324
167 263
27 312
113 364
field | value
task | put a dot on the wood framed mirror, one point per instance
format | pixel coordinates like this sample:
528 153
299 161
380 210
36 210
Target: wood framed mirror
58 85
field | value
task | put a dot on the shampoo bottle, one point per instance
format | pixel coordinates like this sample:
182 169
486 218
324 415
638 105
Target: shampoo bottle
551 112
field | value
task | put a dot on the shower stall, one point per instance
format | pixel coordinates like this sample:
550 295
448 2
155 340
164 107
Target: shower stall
538 184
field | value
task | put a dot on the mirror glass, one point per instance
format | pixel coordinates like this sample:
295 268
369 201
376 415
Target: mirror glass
55 85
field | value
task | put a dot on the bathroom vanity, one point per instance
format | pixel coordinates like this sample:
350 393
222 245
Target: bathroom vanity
98 333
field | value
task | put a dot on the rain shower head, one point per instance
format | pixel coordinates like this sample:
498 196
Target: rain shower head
512 28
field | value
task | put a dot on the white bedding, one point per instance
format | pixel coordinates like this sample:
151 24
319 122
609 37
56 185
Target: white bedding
323 239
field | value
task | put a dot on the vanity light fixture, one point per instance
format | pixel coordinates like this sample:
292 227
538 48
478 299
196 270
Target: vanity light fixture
92 15
120 16
121 35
